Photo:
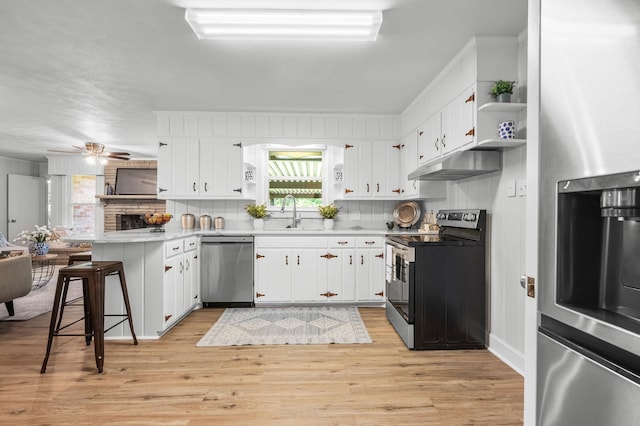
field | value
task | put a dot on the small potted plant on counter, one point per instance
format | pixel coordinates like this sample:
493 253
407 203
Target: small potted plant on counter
328 213
502 90
258 212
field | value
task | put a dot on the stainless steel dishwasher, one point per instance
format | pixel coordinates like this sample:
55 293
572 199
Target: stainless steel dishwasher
227 271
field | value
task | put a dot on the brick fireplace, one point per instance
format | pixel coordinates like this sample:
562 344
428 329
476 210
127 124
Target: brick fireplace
117 205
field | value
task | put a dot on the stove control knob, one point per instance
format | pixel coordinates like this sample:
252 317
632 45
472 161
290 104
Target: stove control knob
441 215
470 217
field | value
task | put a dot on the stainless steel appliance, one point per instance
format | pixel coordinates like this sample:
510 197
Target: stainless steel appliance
227 271
436 284
589 310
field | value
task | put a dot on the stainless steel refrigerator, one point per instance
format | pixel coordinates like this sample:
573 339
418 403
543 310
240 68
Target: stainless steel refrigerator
589 248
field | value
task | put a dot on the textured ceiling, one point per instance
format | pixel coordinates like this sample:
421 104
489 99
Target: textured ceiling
73 71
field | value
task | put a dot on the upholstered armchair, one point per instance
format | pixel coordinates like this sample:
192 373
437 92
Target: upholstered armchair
15 279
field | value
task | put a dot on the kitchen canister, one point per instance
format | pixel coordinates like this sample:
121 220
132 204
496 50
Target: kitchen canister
205 221
507 130
188 221
218 223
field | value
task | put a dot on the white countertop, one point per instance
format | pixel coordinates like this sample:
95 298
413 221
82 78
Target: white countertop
144 235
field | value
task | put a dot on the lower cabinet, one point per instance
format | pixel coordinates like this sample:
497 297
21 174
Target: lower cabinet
319 269
180 282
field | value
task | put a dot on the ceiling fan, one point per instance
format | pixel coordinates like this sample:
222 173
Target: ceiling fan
95 151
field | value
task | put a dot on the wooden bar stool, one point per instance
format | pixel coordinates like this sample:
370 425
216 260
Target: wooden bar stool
74 258
93 276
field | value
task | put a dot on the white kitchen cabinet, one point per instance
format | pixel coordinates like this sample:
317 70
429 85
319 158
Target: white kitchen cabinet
200 168
463 122
416 189
434 138
180 279
370 266
318 270
371 170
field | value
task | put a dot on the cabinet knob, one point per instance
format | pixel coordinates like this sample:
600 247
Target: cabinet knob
421 157
471 98
381 294
347 190
162 190
397 146
237 190
167 267
471 132
238 145
259 295
397 191
161 144
347 146
167 317
259 256
420 133
381 255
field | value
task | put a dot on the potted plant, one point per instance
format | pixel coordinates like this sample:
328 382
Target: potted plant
258 212
328 213
502 90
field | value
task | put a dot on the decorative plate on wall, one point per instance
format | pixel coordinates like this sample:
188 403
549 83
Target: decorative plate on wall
406 214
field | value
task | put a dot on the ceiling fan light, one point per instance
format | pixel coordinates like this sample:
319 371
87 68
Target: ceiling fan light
277 24
90 159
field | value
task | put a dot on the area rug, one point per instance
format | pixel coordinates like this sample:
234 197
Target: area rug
38 301
287 326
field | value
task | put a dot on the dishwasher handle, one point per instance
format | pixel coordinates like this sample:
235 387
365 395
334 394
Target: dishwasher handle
231 239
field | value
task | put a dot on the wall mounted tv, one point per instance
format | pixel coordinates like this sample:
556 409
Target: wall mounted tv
136 181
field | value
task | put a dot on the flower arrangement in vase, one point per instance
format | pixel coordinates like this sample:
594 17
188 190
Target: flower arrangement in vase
38 239
258 212
328 212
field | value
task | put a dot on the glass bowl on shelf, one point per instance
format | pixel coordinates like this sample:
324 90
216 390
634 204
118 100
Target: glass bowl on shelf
156 221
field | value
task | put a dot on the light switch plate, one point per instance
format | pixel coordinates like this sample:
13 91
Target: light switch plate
511 188
522 188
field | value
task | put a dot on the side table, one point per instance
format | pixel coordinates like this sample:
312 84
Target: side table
42 269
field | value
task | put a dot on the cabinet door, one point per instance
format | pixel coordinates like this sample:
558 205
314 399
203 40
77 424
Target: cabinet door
433 144
352 170
448 144
409 164
423 138
341 274
192 166
170 277
191 281
273 275
206 167
165 187
385 169
309 274
462 122
227 169
179 167
370 274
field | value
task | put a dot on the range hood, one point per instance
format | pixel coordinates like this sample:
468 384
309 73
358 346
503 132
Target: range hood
459 165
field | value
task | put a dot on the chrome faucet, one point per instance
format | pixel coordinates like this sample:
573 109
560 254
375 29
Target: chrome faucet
294 223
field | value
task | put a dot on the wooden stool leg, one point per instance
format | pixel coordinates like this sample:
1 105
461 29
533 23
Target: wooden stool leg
96 299
54 316
86 301
65 290
125 296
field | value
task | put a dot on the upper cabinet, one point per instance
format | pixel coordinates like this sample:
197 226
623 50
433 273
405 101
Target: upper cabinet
371 170
455 112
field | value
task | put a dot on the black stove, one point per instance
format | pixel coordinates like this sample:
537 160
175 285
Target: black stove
436 283
457 227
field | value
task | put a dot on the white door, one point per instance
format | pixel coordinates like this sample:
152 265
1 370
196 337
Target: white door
26 204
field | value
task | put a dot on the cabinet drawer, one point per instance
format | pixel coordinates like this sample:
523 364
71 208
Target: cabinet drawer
363 242
342 242
172 248
190 243
290 242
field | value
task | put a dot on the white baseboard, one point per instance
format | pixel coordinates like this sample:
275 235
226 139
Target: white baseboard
507 354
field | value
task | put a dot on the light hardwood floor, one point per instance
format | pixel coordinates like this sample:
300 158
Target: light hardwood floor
170 381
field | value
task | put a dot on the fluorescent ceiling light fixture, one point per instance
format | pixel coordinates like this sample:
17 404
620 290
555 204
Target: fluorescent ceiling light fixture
280 24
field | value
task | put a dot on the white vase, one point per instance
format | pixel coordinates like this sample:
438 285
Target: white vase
328 224
258 223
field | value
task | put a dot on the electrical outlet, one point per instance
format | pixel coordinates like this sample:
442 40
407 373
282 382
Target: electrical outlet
511 188
522 188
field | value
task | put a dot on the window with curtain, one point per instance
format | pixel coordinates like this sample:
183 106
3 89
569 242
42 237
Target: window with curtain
83 203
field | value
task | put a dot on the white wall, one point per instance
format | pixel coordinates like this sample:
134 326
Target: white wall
12 166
